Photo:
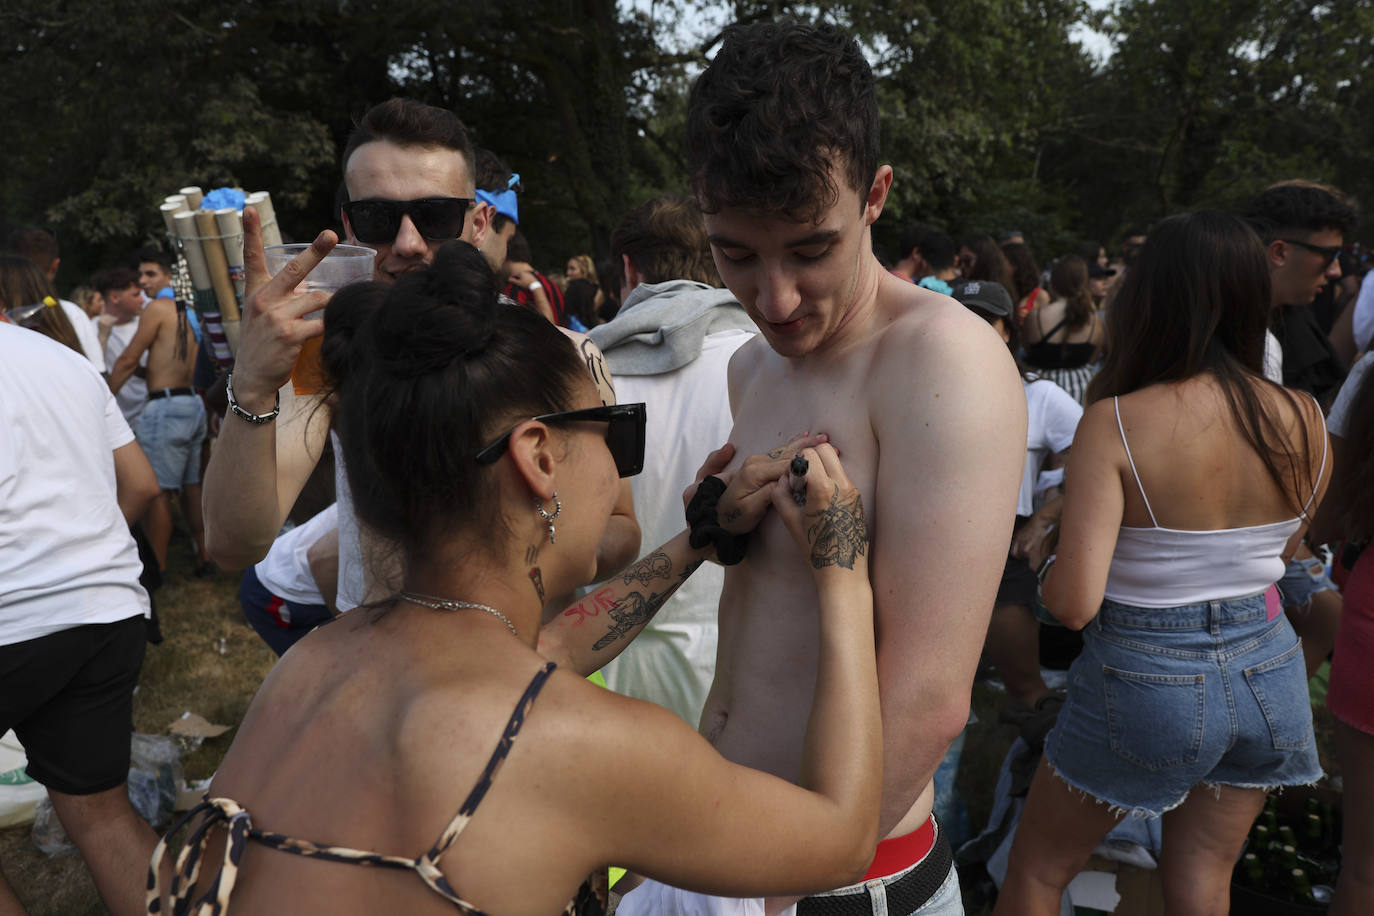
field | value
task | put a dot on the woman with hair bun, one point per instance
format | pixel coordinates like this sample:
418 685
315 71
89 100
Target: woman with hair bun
430 737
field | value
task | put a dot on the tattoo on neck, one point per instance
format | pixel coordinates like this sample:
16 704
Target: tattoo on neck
537 580
531 554
656 565
838 535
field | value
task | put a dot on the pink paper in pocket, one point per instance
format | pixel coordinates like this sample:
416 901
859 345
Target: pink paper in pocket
1273 606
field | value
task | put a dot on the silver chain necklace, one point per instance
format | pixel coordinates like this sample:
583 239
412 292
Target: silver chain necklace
451 604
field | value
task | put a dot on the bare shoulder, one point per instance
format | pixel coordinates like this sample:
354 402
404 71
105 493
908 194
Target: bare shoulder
935 352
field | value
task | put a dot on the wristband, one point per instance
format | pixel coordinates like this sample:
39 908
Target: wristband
256 419
534 286
706 528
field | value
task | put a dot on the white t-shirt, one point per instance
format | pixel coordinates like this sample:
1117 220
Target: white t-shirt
66 556
285 571
85 333
1052 417
1338 422
1273 358
134 392
1363 319
673 660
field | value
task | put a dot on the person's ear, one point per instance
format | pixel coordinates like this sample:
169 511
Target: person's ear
877 195
532 452
481 223
1278 253
349 237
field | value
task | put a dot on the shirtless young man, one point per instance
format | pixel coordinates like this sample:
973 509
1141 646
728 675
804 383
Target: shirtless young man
919 396
401 158
171 426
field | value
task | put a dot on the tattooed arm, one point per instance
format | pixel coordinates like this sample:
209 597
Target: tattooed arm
590 633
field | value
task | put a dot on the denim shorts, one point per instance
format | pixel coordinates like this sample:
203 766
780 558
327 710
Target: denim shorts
170 431
1163 699
1301 580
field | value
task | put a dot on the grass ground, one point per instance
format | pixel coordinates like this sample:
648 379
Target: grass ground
189 672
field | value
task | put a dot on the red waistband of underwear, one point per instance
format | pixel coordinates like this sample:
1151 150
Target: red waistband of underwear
901 852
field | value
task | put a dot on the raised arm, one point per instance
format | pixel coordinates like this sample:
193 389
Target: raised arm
589 634
258 469
683 814
953 442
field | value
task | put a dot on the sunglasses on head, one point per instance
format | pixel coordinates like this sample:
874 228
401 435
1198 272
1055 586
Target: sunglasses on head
377 221
624 434
1328 253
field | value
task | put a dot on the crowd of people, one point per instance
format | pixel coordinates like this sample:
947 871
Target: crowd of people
782 494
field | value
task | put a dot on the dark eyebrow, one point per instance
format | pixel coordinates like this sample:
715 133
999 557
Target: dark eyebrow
815 238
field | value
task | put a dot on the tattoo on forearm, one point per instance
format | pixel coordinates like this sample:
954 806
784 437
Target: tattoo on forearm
656 565
688 570
537 579
630 612
838 534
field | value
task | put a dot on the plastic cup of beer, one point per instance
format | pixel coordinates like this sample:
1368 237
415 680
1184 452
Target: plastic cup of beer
343 265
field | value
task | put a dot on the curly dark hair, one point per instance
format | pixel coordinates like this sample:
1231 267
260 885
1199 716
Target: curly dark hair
779 106
1300 206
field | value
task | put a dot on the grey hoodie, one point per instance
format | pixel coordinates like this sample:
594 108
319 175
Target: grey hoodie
661 326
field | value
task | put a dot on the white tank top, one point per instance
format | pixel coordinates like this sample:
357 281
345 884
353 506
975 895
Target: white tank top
1170 567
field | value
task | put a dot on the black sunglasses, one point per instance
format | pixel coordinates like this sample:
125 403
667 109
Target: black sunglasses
624 434
1328 253
377 221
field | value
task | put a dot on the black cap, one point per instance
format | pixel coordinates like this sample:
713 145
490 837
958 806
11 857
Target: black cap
984 296
1097 270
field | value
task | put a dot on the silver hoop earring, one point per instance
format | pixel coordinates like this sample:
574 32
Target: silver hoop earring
557 508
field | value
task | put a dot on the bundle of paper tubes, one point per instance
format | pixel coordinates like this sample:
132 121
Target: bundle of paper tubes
211 244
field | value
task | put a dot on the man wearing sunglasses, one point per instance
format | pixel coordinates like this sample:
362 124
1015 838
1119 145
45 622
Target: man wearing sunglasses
409 177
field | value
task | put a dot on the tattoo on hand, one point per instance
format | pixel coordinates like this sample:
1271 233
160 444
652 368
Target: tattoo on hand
596 367
777 453
731 515
656 565
838 535
537 579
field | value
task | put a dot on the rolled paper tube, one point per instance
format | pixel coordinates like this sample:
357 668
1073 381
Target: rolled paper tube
194 253
218 264
169 212
193 196
176 199
261 201
230 225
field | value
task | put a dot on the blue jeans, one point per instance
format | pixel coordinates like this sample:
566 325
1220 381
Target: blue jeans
170 431
1163 699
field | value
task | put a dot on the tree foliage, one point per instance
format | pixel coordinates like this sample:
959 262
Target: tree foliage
994 116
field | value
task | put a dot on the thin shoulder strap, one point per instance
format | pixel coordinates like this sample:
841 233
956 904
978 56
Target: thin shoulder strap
1116 402
498 757
1316 482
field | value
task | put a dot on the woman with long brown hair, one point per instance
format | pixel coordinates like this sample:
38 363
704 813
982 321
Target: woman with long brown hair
28 299
1191 479
1064 338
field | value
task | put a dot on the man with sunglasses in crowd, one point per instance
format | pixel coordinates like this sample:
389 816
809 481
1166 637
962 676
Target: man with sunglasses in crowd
1303 226
409 176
